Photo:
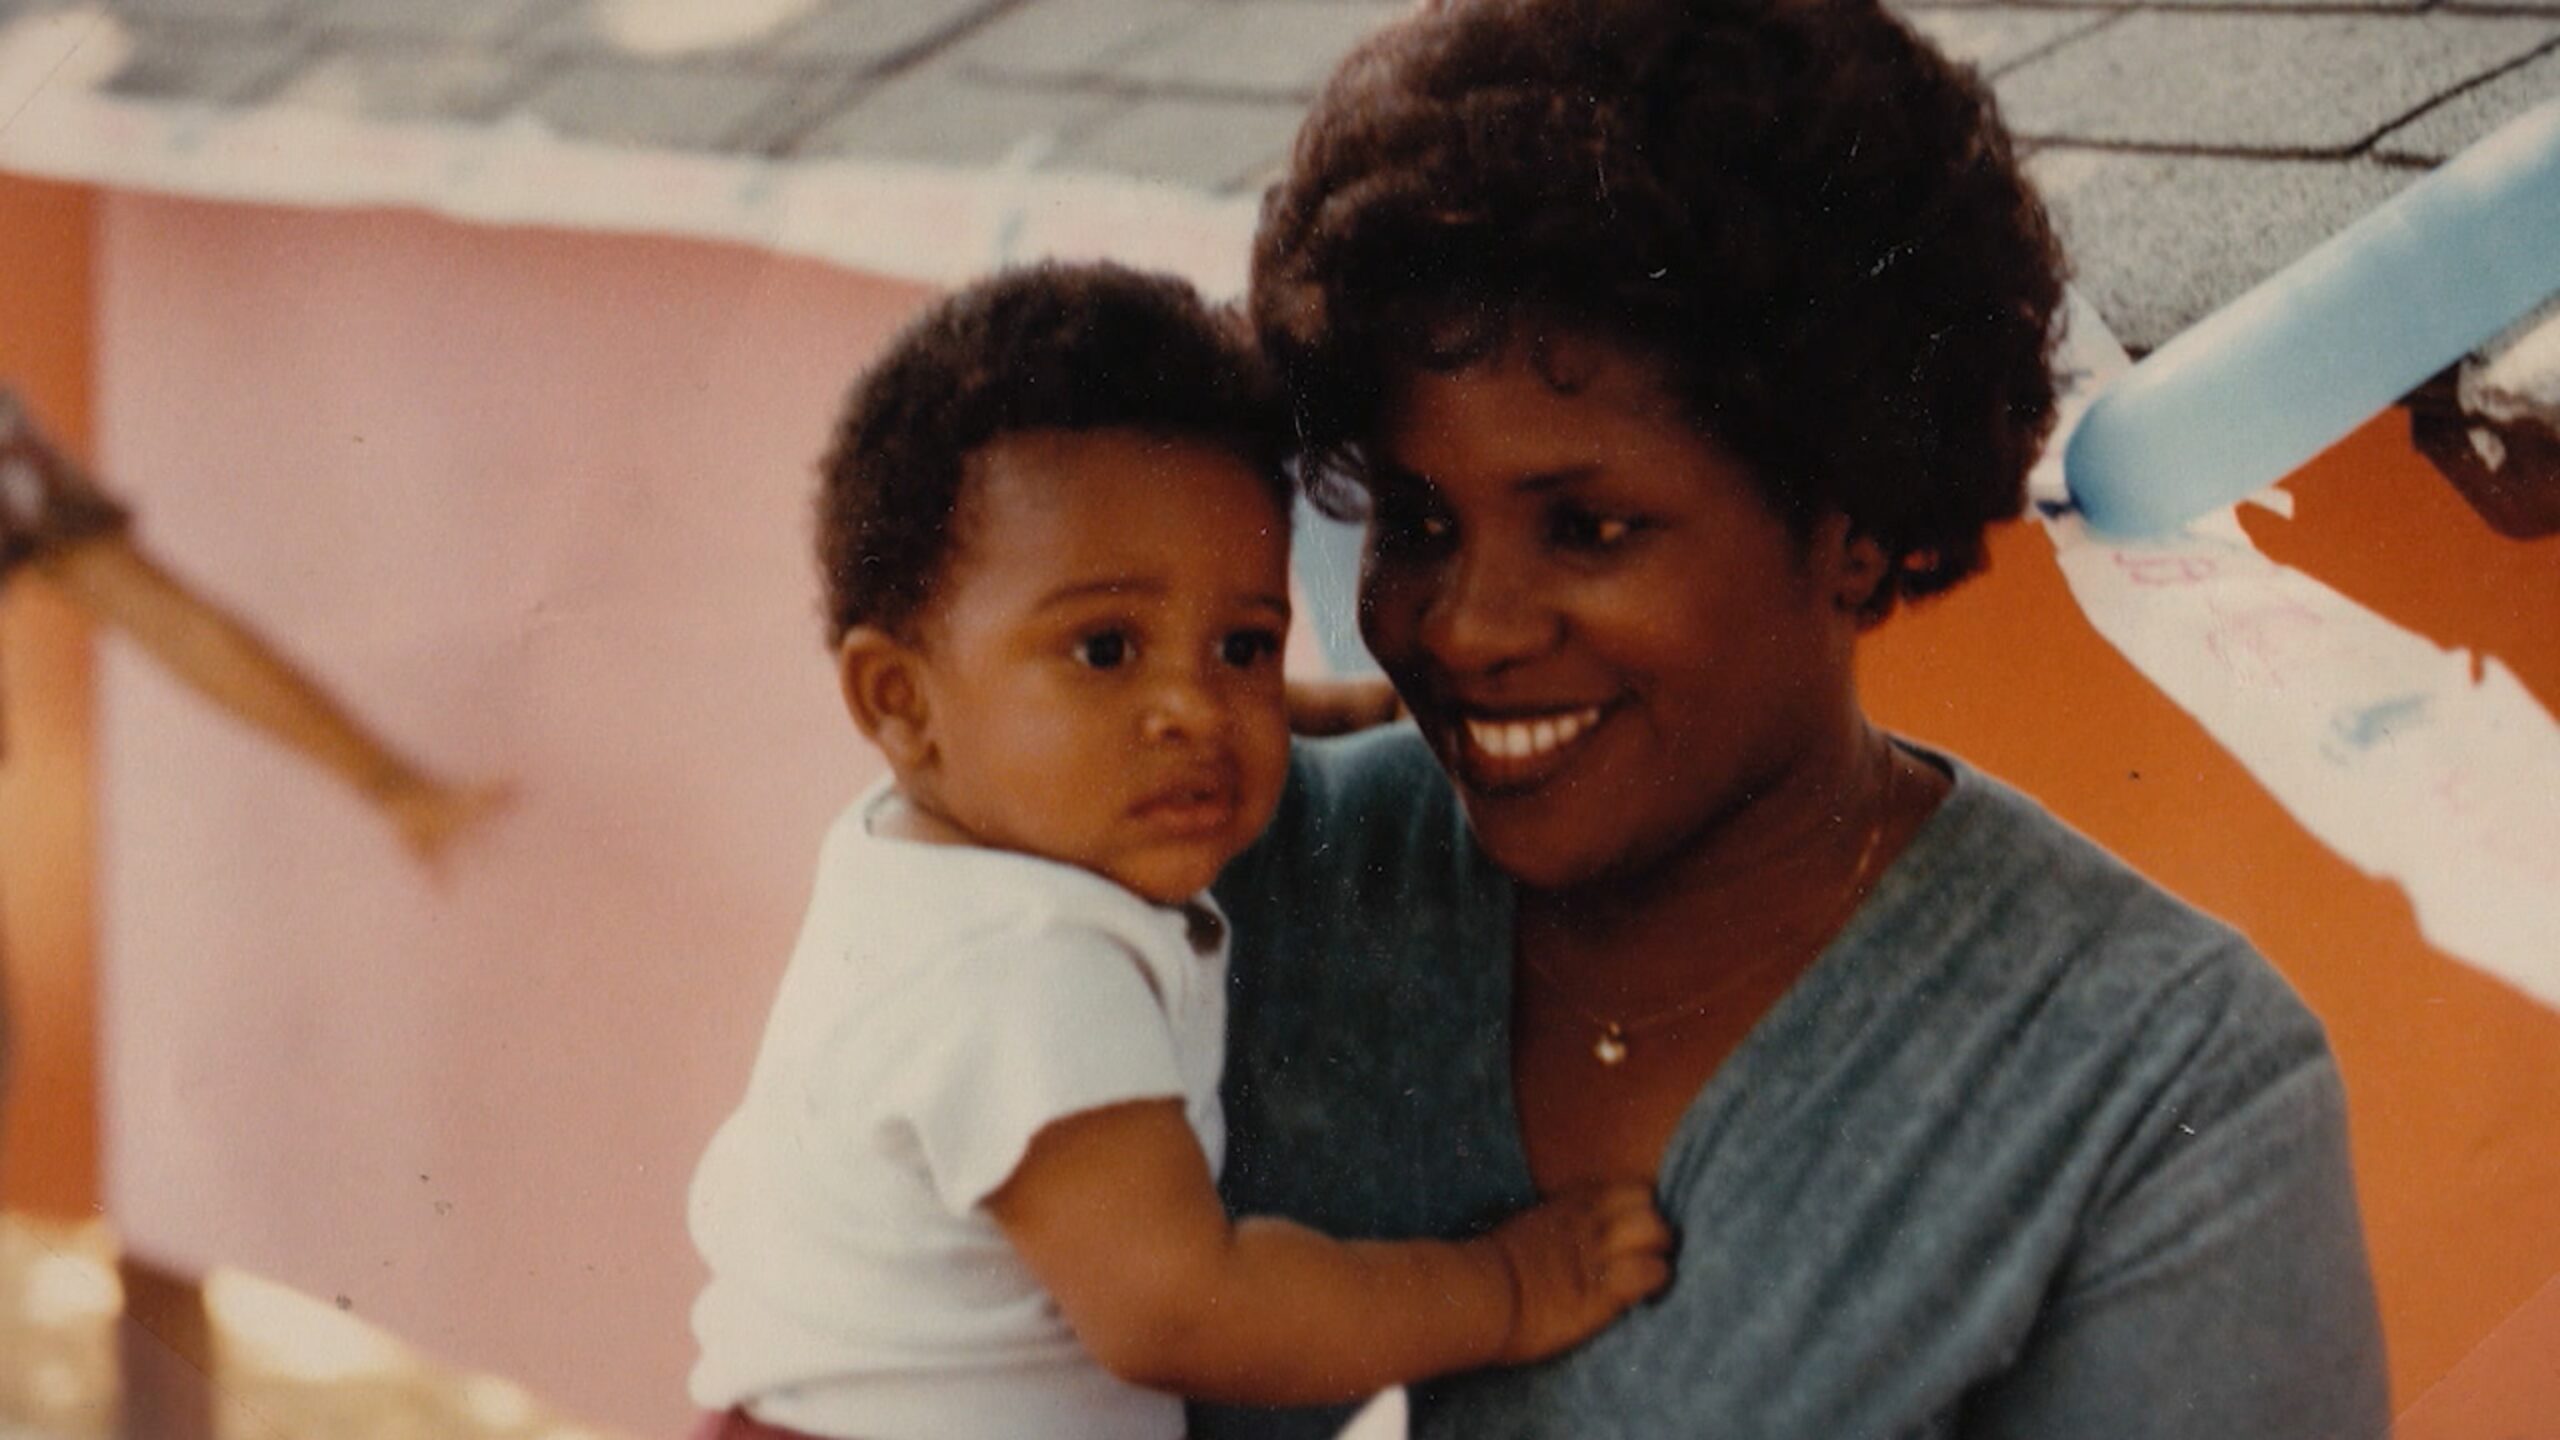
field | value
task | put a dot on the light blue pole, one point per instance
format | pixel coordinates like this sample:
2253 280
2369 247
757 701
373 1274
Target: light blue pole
2249 393
1328 565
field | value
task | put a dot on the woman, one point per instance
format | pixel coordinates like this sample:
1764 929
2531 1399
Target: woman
58 523
1672 344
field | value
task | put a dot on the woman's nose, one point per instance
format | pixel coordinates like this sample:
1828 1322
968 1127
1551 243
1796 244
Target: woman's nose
1483 613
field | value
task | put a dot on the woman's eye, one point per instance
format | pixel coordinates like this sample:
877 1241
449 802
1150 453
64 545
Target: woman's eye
1409 529
1574 527
1245 649
1104 650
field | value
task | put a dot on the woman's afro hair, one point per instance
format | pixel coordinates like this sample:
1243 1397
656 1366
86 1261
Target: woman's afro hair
1803 215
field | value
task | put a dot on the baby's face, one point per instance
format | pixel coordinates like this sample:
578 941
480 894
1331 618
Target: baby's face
1101 666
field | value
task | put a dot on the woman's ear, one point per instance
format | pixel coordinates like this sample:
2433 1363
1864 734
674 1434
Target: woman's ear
884 692
1854 564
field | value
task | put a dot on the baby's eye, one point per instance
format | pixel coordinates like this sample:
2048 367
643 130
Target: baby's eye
1105 649
1579 527
1245 649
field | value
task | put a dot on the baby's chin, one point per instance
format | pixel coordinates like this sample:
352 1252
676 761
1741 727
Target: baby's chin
1165 885
1170 877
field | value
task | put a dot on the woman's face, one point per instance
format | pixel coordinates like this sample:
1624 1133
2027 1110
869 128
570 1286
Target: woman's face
1612 642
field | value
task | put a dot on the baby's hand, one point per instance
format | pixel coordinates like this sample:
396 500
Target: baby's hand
1576 1261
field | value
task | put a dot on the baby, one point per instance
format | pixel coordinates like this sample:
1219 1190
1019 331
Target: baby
970 1191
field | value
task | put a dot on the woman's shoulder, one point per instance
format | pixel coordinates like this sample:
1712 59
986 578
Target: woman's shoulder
2019 896
2076 1020
1374 803
46 500
1388 768
1367 864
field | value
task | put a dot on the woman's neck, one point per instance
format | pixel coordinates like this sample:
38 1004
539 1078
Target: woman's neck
1760 889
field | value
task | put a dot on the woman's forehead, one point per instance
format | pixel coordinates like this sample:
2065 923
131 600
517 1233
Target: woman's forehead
1526 386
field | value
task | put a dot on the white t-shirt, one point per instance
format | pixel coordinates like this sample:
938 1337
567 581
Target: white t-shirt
943 1004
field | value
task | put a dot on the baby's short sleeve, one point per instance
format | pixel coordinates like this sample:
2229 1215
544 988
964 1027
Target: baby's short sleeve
1072 1023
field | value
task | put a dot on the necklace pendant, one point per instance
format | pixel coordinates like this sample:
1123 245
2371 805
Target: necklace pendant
1611 1047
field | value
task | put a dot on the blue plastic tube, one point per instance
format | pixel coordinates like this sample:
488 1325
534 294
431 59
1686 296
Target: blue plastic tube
2246 395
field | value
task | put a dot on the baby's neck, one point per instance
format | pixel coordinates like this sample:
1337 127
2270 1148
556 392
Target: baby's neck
897 817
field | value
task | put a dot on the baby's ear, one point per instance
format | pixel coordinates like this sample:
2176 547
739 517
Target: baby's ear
884 692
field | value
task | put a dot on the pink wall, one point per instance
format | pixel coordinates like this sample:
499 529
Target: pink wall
536 502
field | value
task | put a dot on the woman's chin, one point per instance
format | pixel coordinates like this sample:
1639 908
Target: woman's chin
1538 852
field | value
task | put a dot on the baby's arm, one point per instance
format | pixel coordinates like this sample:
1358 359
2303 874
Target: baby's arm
1115 1212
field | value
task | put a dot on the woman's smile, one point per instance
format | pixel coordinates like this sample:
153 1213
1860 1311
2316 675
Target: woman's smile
1520 749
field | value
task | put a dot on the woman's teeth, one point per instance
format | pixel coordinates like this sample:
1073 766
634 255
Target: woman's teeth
1530 739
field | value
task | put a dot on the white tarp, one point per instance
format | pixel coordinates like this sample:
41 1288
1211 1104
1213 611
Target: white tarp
2433 768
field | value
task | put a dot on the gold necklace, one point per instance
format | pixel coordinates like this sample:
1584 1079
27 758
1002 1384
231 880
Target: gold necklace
1610 1046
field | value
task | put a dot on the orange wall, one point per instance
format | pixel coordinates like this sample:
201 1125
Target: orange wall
2453 1078
48 1135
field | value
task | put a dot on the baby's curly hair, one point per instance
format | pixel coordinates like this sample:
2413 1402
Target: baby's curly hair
1046 347
1807 218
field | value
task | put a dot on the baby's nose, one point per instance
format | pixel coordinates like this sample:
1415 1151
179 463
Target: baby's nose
1183 707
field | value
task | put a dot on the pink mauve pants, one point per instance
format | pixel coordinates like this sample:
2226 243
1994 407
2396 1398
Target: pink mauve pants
739 1425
